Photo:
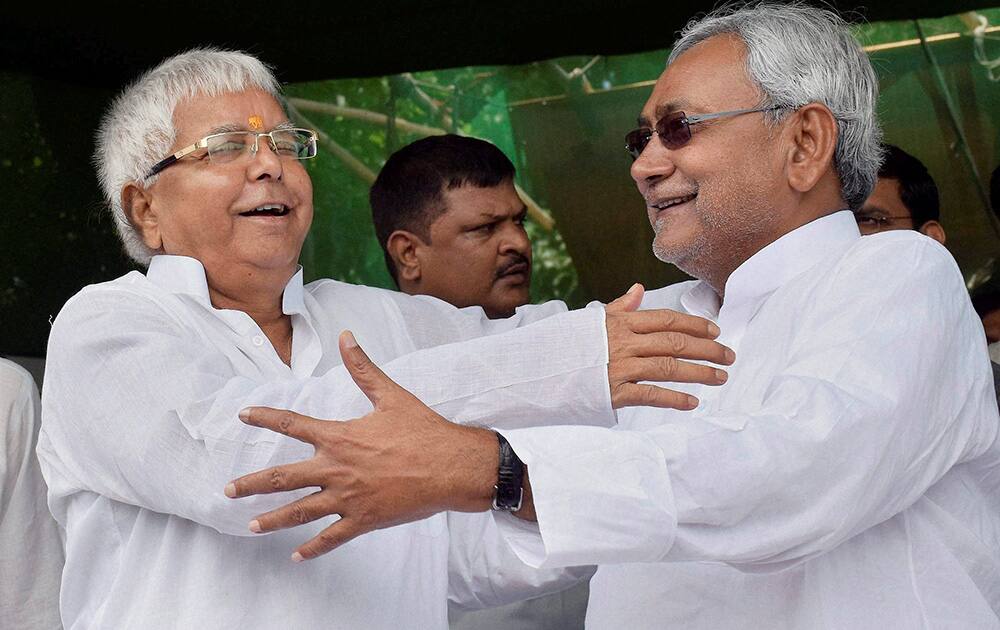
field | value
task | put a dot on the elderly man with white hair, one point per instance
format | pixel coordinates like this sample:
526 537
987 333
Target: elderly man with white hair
146 374
846 476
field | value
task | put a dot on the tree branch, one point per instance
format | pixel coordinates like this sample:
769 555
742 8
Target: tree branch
365 115
329 144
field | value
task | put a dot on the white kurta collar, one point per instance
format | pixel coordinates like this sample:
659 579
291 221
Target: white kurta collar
774 265
291 300
180 274
186 275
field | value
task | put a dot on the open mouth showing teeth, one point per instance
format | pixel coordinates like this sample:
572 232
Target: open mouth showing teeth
663 205
270 210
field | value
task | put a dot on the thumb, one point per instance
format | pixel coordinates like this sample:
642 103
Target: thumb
628 302
371 380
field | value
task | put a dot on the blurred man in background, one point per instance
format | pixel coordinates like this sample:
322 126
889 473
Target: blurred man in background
905 198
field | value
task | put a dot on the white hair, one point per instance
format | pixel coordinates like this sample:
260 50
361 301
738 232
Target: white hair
138 129
799 54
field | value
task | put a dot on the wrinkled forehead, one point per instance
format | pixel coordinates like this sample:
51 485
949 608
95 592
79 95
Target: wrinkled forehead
709 77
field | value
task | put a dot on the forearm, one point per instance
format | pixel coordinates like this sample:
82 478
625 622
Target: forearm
551 372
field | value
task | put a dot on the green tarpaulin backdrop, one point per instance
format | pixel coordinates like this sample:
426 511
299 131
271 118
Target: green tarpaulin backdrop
562 123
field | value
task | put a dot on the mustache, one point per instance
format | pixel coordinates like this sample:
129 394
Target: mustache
515 259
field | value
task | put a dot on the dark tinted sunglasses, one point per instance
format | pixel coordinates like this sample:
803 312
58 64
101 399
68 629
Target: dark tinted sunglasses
674 129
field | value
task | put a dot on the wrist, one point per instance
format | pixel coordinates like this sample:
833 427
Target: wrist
473 473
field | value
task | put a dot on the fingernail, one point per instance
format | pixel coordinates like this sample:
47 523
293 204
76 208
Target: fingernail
245 414
632 289
721 376
713 329
255 526
349 339
230 490
297 557
692 402
730 355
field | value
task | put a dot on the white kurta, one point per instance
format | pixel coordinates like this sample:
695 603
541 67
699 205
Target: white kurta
31 554
847 476
140 435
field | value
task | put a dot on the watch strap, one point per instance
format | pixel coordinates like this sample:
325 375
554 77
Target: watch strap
509 491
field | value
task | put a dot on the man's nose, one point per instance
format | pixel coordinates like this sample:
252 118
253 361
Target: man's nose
515 239
655 162
264 162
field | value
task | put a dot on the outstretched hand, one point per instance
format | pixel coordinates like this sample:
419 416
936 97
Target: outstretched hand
400 463
649 345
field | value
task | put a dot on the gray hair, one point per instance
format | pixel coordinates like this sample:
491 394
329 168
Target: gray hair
798 54
138 129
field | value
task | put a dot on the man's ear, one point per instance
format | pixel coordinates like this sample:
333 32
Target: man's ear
814 138
138 205
404 249
934 230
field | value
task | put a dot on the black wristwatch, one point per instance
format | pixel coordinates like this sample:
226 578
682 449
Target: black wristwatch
508 491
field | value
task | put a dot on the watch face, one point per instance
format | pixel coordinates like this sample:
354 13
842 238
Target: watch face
508 499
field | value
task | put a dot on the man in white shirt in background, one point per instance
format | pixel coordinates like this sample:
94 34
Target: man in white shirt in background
31 552
846 476
451 223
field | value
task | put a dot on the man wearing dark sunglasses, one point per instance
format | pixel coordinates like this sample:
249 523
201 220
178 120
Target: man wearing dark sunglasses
846 475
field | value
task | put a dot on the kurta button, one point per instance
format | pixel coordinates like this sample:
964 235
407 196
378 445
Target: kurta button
258 340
